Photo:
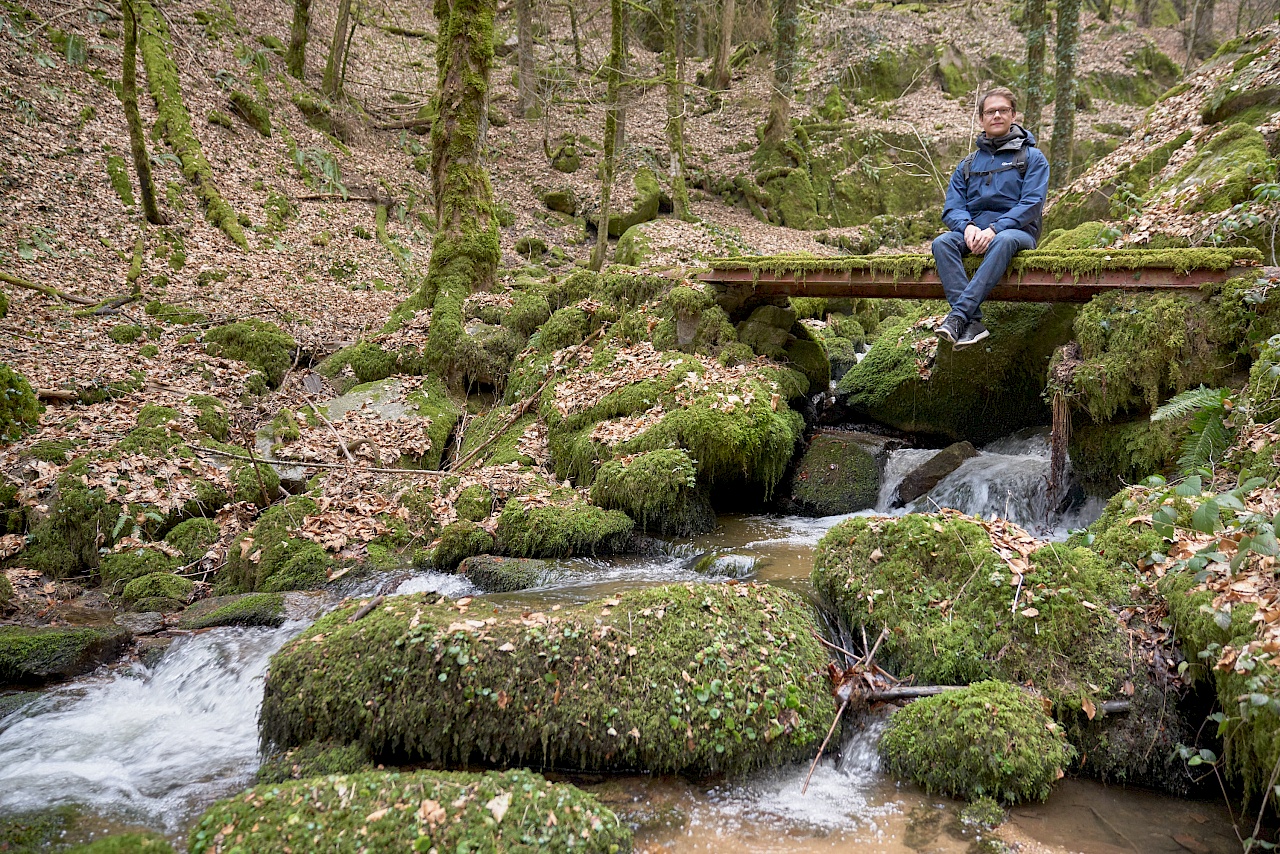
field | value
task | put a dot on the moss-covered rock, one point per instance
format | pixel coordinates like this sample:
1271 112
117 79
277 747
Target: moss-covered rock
494 811
271 559
648 196
836 474
32 656
460 540
36 831
979 394
313 760
991 739
494 574
19 409
924 477
255 114
159 584
125 843
193 537
945 596
568 527
658 489
364 362
213 416
257 343
563 200
120 568
6 593
1106 457
249 609
11 702
1223 171
475 503
682 687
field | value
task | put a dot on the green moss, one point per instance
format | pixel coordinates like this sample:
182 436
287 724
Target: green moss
1088 235
118 174
175 122
367 361
11 702
250 609
255 114
835 475
529 310
658 489
503 450
151 416
19 408
31 656
66 542
808 358
213 418
276 560
494 574
159 584
460 540
474 503
1105 457
36 831
119 568
991 739
570 528
167 313
6 592
221 119
257 343
452 812
1061 636
1223 172
284 427
570 693
645 207
565 327
193 537
313 760
125 843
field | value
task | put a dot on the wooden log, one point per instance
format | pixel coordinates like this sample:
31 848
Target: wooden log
912 692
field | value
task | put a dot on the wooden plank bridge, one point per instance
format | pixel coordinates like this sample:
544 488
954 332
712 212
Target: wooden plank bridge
1035 276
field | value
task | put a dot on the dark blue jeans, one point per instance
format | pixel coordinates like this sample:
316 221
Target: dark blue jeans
965 295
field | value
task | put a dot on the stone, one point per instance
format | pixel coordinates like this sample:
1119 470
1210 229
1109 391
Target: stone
32 656
926 476
147 623
836 474
494 574
562 200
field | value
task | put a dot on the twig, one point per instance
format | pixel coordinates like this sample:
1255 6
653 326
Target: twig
20 335
341 443
818 758
1262 810
45 289
257 470
317 465
884 633
363 610
47 21
55 393
832 646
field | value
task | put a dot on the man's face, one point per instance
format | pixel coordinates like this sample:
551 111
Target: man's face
997 116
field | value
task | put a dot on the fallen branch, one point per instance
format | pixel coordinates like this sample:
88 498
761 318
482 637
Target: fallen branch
317 465
56 393
337 197
342 445
45 289
364 610
913 692
816 759
403 124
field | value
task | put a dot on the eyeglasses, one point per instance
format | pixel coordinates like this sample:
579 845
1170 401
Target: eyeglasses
997 111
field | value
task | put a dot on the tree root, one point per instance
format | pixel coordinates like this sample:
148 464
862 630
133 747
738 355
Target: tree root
46 290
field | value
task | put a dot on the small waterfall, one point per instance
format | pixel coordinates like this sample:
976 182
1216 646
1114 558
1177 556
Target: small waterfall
154 746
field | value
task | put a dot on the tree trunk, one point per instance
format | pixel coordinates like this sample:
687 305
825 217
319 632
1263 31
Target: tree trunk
1198 33
577 41
786 26
623 66
129 96
1145 10
524 55
464 257
296 57
675 108
724 46
1065 85
331 84
1037 30
613 118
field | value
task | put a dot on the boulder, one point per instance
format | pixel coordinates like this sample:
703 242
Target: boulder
494 574
926 476
684 678
141 623
838 473
383 812
562 200
250 609
33 656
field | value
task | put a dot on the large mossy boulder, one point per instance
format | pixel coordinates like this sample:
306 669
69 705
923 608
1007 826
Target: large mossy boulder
644 207
838 473
272 558
1105 457
696 679
33 656
948 601
560 529
384 812
658 489
258 343
979 394
249 609
494 574
991 739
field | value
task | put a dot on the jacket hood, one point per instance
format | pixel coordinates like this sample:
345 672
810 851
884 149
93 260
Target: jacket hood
1016 138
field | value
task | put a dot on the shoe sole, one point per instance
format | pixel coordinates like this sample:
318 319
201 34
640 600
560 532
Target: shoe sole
969 342
944 334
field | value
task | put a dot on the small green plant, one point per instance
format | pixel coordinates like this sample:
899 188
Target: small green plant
320 169
1210 436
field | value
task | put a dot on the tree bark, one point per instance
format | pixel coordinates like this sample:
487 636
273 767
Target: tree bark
331 83
1198 32
1037 30
129 97
675 108
295 57
1065 86
1145 9
464 257
577 41
612 120
786 26
724 46
524 56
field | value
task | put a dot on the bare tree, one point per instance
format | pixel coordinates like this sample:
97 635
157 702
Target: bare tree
331 83
673 37
524 55
1037 30
1065 86
296 56
129 97
786 29
613 121
720 69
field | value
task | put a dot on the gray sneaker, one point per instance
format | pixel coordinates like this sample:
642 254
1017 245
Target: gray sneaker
973 333
951 329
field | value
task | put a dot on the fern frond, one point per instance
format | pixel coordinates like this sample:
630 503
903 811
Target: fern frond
1189 401
1207 441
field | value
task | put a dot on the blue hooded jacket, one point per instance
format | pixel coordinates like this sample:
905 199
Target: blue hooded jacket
1004 199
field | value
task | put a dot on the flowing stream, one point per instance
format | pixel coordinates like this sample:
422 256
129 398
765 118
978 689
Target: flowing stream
152 747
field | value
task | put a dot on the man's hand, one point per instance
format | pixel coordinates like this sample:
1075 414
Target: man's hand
978 239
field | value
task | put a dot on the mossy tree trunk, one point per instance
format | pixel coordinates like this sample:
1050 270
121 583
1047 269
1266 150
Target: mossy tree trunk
175 120
331 83
724 46
1065 86
1037 30
129 97
296 57
524 55
786 30
612 120
673 36
465 255
577 40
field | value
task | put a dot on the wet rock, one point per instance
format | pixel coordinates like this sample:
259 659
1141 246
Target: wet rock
927 475
730 565
838 473
163 604
13 701
33 656
494 811
250 609
152 649
494 574
562 200
629 680
145 623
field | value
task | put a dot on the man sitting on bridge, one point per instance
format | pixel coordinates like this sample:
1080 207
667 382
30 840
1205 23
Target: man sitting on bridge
993 207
